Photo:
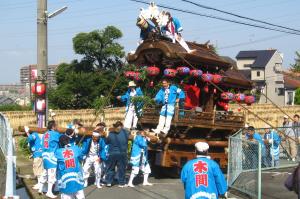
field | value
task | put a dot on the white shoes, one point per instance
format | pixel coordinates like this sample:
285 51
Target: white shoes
130 185
147 184
293 159
85 183
122 186
50 195
99 186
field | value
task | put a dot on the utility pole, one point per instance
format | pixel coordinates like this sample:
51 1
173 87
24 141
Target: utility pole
42 54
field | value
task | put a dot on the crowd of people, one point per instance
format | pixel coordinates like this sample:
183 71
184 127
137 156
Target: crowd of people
274 143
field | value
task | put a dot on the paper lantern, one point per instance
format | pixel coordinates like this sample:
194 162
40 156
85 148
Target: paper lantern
216 78
207 77
170 72
227 96
183 70
196 73
239 97
152 71
40 105
130 74
224 105
38 89
250 99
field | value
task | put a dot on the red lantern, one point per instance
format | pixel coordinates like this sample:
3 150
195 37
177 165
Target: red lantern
183 70
224 105
239 97
170 72
206 89
40 105
207 77
196 73
250 99
216 78
227 96
38 89
239 109
130 74
153 71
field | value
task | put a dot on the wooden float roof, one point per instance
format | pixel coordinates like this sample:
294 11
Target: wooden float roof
167 54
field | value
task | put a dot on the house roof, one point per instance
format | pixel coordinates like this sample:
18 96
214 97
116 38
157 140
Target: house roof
291 83
6 100
262 57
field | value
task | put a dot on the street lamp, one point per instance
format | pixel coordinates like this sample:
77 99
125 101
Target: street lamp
42 50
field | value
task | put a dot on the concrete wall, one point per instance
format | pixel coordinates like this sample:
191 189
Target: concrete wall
241 63
254 75
274 79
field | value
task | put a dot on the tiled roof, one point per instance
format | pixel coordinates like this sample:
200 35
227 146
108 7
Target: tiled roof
291 83
262 57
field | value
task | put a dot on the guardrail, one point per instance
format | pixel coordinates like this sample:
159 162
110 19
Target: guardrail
7 146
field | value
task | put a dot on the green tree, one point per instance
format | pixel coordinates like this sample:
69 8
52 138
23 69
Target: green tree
297 97
296 66
100 47
80 84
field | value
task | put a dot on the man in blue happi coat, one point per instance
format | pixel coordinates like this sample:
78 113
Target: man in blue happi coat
50 143
173 30
139 158
35 144
272 142
250 148
69 171
202 177
132 110
167 96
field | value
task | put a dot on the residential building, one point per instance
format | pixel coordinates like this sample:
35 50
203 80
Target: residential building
264 68
290 85
29 73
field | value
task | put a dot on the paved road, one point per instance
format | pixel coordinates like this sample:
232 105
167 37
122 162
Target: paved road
162 189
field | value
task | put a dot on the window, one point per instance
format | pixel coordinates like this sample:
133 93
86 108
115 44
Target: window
279 91
258 73
247 65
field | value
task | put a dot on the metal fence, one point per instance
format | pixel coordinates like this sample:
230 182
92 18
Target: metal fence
248 158
7 146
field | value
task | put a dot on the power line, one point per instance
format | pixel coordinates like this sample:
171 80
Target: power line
239 16
220 18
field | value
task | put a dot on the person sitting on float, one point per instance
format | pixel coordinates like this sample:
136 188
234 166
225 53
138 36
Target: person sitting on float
173 30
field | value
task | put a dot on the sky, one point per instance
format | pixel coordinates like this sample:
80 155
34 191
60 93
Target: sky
18 28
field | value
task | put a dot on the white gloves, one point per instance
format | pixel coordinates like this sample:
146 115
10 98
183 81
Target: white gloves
76 131
26 128
270 141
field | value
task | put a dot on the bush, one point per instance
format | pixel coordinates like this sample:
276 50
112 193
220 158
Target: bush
23 146
297 97
14 107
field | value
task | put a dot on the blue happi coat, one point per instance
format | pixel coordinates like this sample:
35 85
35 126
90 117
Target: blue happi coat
35 144
203 179
50 142
177 25
274 150
69 171
144 32
103 153
139 146
168 107
126 98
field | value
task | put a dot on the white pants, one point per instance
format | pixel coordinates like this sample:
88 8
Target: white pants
181 41
144 168
89 161
164 124
77 195
48 175
131 119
